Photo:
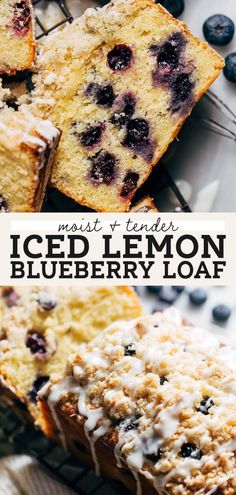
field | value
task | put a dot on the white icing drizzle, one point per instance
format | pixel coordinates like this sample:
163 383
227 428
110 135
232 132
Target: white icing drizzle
109 382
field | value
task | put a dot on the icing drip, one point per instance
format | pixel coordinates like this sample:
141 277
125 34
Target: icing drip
163 430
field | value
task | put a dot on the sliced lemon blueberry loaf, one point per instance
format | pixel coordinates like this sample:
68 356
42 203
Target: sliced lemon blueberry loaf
39 327
27 147
17 42
119 81
154 402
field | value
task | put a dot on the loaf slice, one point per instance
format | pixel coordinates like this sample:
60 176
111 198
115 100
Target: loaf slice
17 40
144 205
41 326
154 403
119 81
27 147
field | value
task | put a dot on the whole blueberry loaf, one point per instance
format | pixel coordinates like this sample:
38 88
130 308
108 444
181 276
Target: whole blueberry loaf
27 148
153 403
41 326
119 81
17 41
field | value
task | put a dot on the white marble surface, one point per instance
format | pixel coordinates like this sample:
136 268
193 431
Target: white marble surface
202 158
201 315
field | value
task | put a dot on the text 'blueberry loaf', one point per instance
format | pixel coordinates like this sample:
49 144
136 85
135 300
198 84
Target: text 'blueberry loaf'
119 81
154 402
17 42
39 327
27 148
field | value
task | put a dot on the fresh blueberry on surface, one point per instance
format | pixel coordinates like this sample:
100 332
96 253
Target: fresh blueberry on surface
190 450
37 385
92 135
218 30
119 58
47 300
230 67
130 350
129 183
168 295
179 288
221 312
103 168
205 405
36 342
175 7
160 307
154 289
198 296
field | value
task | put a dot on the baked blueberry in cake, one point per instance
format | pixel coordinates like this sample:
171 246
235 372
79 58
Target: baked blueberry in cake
129 75
40 326
17 41
27 147
154 402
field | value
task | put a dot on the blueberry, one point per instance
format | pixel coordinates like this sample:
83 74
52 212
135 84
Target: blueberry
205 405
168 295
198 296
36 342
129 183
36 386
181 87
103 168
154 457
137 132
191 450
160 307
154 289
163 380
119 58
230 67
92 135
133 423
126 110
10 296
218 30
3 205
103 94
175 7
179 288
130 350
221 312
21 18
168 58
47 300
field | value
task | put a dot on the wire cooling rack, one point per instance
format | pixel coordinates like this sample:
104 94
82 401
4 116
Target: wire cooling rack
161 179
17 437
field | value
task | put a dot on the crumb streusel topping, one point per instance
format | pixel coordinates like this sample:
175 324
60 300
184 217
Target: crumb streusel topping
169 391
